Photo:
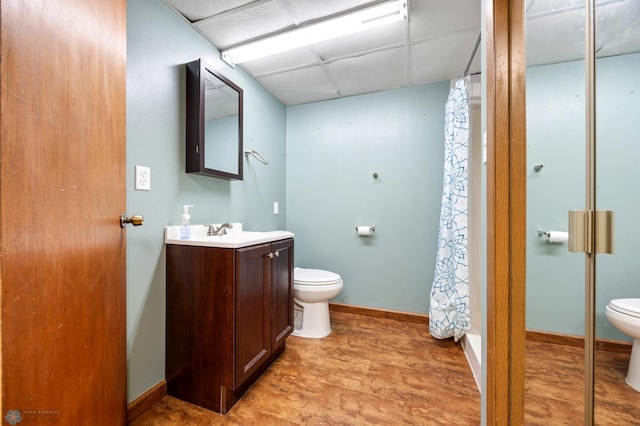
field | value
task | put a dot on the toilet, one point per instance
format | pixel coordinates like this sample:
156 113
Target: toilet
312 289
624 314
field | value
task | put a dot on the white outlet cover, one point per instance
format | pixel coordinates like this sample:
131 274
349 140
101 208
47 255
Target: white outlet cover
143 178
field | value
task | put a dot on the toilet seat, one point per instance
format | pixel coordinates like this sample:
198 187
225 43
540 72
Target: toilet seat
315 277
629 307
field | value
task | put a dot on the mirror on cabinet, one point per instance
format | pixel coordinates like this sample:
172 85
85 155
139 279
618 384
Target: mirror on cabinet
214 123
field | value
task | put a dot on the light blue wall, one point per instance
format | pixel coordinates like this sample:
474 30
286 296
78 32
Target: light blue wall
333 149
159 43
555 138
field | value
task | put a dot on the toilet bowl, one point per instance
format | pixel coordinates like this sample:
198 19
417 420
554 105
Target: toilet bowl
312 289
624 314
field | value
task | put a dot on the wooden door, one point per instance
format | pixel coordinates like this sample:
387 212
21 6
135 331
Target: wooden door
62 189
253 316
282 293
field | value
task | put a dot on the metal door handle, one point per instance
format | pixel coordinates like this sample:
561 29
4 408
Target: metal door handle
135 220
591 231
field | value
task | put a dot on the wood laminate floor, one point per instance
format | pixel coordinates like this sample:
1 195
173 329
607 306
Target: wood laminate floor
367 371
554 387
375 371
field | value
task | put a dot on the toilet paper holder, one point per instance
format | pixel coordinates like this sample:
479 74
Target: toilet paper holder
541 233
371 228
554 236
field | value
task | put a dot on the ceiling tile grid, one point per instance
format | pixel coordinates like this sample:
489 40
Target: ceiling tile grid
617 28
195 10
313 10
249 23
434 44
554 37
444 58
370 73
300 86
379 38
431 19
373 60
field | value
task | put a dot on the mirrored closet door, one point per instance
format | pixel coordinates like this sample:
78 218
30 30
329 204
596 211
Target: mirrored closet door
583 122
616 141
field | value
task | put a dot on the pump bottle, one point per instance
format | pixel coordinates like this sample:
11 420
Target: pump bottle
185 231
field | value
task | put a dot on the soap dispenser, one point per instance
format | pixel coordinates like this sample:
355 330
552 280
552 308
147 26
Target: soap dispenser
185 231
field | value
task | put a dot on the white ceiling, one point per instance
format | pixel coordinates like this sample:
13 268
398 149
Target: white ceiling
434 44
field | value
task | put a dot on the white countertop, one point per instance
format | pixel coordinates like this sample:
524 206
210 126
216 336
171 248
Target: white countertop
236 237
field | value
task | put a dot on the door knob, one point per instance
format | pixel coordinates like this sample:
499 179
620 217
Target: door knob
135 220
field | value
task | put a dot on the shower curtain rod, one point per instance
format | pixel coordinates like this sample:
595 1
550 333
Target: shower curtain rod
473 54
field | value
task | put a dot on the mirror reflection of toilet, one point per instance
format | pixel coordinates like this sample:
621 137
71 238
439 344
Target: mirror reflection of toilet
624 314
312 289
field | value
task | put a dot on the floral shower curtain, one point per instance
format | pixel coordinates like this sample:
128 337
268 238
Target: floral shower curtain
449 305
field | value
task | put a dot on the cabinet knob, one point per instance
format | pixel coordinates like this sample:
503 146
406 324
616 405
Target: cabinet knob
276 254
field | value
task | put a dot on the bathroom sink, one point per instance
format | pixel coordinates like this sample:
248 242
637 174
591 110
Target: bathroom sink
236 237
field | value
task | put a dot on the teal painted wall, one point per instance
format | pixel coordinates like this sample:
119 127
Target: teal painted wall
555 138
159 43
333 149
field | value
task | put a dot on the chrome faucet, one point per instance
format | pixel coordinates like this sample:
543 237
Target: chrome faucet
221 230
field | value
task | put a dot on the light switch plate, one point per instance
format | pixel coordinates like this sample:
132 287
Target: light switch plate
143 178
276 207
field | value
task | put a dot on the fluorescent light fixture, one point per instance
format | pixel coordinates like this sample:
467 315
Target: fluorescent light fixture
361 20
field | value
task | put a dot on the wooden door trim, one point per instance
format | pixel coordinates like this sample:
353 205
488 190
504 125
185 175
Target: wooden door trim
506 211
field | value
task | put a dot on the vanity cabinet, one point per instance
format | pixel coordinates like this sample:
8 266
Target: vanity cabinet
229 312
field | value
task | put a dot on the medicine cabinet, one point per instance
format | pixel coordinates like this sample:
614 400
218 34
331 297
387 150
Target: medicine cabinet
214 123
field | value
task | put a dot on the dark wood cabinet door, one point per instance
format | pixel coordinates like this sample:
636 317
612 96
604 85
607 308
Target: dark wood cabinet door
200 323
253 313
282 292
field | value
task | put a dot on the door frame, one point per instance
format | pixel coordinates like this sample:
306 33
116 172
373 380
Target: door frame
506 211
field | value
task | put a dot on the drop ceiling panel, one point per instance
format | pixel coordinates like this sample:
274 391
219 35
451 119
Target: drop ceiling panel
300 86
618 28
230 29
555 30
555 38
538 7
435 18
375 38
195 10
376 71
311 10
443 58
